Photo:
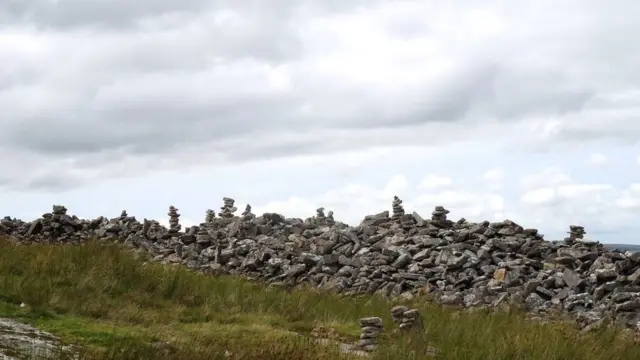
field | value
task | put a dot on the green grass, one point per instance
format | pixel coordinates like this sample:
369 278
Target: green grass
116 306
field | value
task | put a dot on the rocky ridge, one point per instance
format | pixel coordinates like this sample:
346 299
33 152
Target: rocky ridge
458 263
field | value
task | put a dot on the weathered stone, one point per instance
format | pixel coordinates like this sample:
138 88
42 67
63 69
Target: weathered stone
458 263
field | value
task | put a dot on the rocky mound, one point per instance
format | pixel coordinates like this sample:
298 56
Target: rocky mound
460 263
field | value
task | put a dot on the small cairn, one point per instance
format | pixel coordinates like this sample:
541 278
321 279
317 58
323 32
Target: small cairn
439 216
228 209
202 236
575 233
396 207
247 215
321 219
370 328
330 220
210 217
58 212
174 220
123 215
407 319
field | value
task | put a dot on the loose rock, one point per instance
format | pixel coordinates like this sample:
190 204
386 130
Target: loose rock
458 263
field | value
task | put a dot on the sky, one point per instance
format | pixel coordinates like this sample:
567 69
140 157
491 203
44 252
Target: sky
527 110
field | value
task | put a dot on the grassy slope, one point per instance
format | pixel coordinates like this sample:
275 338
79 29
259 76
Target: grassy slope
106 299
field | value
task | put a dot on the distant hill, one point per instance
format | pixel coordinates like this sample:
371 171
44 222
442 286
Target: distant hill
622 247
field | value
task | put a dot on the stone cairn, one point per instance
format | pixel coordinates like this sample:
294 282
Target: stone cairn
396 207
439 216
202 236
575 233
58 211
228 209
124 215
370 329
407 319
174 220
247 215
321 219
209 217
330 220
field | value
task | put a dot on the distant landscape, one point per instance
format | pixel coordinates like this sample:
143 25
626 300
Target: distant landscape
622 247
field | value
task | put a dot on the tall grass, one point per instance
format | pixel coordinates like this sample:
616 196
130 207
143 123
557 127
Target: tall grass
118 306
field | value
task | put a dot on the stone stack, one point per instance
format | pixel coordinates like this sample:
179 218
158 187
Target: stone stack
202 236
575 233
407 319
174 220
209 217
321 219
330 220
396 207
123 215
439 216
58 211
228 209
247 215
370 329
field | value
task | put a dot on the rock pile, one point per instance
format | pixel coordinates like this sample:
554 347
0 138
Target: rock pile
321 219
370 329
247 215
397 208
174 220
210 217
407 319
458 263
228 209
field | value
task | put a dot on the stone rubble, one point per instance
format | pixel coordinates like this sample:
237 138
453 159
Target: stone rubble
457 263
370 328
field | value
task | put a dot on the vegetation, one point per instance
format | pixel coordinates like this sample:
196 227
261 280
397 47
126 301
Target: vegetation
116 306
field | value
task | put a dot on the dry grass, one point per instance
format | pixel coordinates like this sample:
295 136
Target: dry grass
102 297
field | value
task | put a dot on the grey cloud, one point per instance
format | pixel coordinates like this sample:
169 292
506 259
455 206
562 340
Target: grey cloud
73 13
120 14
139 87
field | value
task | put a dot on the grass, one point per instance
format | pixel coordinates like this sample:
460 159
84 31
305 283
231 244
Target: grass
116 306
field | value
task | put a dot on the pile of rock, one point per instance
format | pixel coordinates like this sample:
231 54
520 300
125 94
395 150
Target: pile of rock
321 219
458 263
174 220
210 217
397 208
407 319
576 233
247 215
228 209
370 329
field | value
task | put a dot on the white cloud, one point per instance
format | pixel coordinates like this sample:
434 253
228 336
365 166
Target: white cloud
597 159
434 181
495 174
540 196
549 176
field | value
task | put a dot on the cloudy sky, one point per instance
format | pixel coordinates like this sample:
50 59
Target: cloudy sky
526 110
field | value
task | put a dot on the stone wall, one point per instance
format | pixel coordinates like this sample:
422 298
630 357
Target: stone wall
459 263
